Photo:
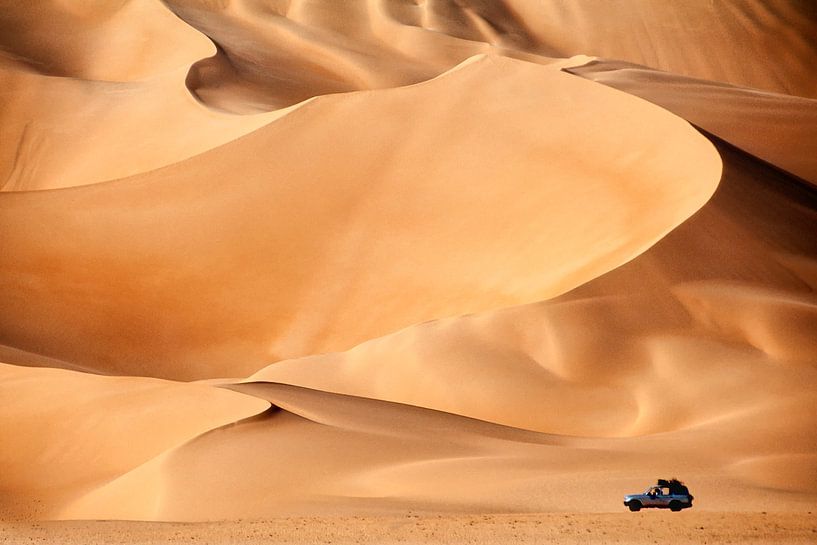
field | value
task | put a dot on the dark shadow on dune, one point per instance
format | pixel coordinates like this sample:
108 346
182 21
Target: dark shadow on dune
779 129
758 218
509 25
381 415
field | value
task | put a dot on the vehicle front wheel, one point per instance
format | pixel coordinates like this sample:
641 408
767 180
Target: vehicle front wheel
675 505
634 505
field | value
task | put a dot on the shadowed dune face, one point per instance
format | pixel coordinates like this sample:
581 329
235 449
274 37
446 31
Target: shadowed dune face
763 45
274 54
789 124
448 277
110 40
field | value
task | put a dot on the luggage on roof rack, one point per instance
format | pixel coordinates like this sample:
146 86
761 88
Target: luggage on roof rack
675 486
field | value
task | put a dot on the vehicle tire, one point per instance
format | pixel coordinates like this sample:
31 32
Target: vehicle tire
675 505
634 505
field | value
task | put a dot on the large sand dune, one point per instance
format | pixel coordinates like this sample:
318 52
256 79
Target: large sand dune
425 203
313 258
747 299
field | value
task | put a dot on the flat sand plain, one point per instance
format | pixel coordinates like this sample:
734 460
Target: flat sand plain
562 528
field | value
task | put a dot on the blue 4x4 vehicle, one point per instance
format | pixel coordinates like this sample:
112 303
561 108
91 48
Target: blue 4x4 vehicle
665 494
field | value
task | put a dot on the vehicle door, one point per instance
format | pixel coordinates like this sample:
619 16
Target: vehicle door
651 498
662 498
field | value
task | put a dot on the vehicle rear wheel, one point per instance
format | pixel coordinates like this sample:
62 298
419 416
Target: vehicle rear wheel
675 505
634 505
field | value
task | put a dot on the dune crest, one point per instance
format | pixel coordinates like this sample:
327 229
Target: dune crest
789 123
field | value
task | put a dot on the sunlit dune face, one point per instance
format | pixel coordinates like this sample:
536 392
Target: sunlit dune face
90 10
261 251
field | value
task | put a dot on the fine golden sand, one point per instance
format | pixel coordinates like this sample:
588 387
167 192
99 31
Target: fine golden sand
547 528
381 271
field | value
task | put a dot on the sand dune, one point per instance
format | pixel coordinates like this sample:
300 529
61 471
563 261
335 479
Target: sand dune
673 344
764 45
264 255
273 54
63 433
352 455
789 123
64 132
446 257
104 40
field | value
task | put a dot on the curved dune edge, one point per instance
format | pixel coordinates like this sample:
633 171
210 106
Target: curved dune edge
321 453
266 254
67 432
788 138
661 344
55 139
272 56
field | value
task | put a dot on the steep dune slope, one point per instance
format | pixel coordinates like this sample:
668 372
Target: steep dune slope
63 432
780 129
428 201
